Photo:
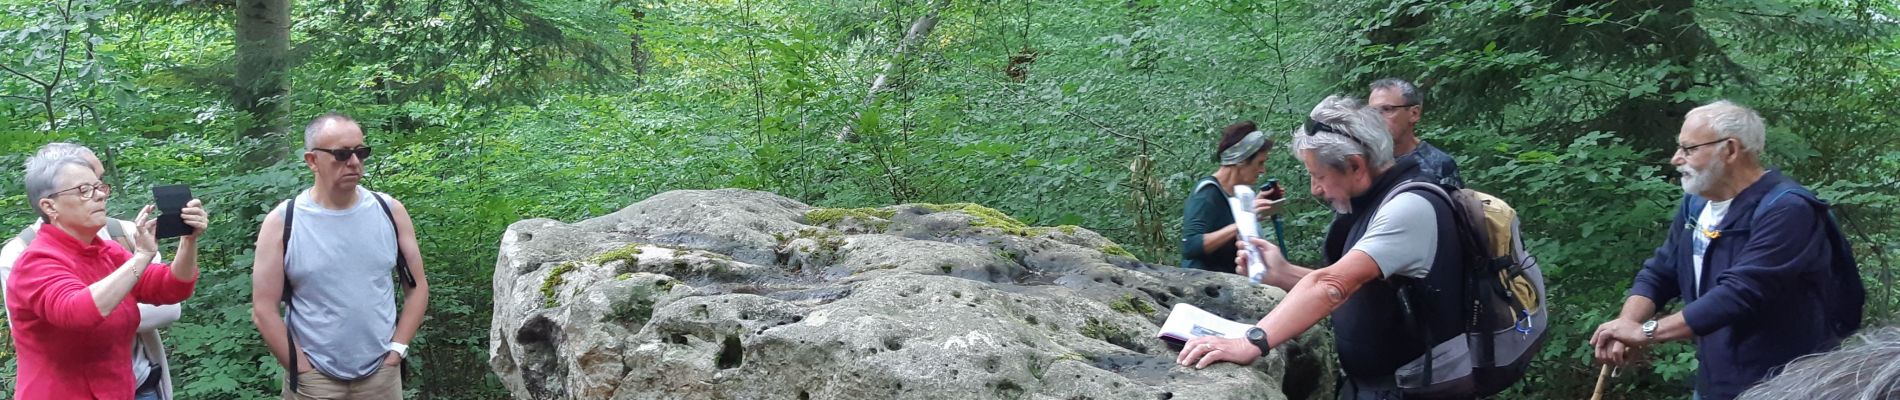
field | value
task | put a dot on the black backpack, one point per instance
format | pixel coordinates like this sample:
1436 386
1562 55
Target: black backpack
1508 317
402 274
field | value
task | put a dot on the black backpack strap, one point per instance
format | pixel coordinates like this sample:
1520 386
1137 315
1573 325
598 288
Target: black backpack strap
290 210
402 270
1407 286
1406 290
1480 273
402 263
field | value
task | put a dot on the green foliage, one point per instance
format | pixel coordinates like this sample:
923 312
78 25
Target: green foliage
1074 113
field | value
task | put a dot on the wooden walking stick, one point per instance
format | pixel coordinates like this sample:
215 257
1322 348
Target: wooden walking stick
1602 377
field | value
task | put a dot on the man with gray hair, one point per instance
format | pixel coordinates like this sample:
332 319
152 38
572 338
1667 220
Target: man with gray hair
326 257
1763 270
1400 105
150 369
1380 236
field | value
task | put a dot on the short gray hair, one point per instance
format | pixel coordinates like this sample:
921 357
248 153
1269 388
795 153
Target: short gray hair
1405 88
1861 370
42 171
1357 130
1730 120
316 126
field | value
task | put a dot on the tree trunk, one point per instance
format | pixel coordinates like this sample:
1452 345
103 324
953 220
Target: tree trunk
637 54
919 30
262 85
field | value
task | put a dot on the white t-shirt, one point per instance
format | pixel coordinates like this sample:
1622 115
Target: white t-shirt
1403 236
1711 216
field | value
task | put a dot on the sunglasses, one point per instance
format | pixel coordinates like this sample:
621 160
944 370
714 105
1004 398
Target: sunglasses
1313 128
342 155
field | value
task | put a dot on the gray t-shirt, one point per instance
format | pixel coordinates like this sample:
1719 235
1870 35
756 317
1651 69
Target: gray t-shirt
1403 236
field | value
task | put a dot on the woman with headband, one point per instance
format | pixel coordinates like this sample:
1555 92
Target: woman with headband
1207 226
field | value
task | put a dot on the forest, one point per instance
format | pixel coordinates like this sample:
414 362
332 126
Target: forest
1095 113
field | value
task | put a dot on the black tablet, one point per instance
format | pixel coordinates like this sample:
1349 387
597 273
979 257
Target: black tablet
171 203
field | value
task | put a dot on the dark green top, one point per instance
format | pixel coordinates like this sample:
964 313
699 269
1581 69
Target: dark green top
1206 211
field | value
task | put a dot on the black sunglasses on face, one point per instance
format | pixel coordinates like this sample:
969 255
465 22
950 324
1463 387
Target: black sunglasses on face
361 153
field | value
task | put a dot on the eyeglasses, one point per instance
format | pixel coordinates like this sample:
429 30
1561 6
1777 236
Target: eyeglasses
1388 110
1690 150
86 190
342 155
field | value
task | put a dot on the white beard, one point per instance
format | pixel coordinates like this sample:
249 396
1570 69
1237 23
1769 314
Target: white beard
1698 182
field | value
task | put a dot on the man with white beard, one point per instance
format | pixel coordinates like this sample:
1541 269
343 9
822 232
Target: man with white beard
1760 265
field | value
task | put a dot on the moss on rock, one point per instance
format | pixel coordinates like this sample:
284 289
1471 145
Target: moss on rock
1132 305
554 281
878 218
629 253
990 218
1116 250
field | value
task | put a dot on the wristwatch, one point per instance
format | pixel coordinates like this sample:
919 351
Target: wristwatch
402 350
1649 330
1259 339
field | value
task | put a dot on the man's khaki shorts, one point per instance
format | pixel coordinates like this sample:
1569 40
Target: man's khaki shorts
385 384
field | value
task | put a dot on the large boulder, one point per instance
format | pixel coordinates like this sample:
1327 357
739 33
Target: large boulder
735 294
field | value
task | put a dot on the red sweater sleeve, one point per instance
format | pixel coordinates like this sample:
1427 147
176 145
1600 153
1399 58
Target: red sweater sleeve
48 285
156 285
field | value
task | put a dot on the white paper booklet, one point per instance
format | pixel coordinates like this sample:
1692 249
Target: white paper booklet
1186 322
1242 207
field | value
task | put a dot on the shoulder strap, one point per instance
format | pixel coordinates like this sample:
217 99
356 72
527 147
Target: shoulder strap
1408 186
1783 189
402 263
27 234
116 229
1691 206
290 210
402 268
1205 182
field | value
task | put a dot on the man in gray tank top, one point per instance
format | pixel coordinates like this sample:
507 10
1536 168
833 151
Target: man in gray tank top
341 336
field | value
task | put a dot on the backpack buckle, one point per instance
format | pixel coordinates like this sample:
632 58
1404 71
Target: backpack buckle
1523 324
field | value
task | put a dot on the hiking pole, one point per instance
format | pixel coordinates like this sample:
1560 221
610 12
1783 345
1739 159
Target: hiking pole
1602 377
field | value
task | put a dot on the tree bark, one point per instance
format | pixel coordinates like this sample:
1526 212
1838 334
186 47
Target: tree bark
263 83
919 30
637 54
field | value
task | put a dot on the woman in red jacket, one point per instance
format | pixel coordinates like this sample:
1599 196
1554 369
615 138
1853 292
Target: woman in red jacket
73 296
